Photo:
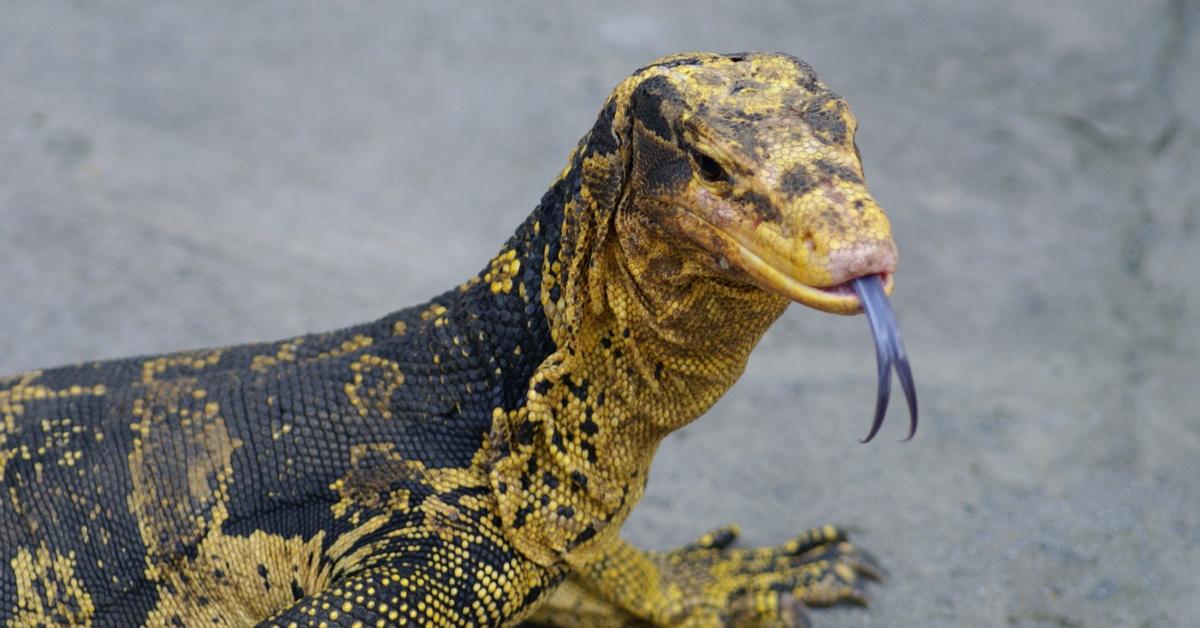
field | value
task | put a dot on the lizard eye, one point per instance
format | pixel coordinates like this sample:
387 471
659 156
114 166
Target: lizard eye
709 169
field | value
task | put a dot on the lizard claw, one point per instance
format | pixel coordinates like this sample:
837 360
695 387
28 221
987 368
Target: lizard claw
889 351
829 540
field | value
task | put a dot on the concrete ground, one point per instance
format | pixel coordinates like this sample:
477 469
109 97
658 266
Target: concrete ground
189 174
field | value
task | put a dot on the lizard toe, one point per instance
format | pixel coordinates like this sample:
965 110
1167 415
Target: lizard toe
718 538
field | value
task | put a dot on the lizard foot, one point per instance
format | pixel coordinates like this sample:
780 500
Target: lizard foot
768 585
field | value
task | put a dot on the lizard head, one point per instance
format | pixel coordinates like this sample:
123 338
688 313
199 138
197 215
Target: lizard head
751 158
750 162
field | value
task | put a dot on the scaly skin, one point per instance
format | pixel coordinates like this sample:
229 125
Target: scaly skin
471 460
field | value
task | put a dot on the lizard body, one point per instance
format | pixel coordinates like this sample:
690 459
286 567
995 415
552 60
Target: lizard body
470 460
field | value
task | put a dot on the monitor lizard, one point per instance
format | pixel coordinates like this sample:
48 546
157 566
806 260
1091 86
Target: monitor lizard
471 460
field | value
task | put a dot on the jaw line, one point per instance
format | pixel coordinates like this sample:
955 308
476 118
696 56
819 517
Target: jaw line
767 276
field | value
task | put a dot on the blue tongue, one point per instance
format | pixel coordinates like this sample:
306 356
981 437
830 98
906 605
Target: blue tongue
889 351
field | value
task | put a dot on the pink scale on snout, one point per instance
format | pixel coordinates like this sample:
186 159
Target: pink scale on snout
877 257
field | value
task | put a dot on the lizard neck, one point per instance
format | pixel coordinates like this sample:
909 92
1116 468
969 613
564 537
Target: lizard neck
646 339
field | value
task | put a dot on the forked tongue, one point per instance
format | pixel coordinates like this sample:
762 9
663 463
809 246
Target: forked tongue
889 351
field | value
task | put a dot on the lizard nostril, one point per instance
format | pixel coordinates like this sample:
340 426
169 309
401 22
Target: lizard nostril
809 244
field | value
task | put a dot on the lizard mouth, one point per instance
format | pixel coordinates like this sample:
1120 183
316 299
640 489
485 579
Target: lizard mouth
839 298
846 288
836 299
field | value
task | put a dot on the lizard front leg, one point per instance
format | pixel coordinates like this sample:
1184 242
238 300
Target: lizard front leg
708 583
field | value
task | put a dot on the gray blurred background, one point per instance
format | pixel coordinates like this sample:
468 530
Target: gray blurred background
189 174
